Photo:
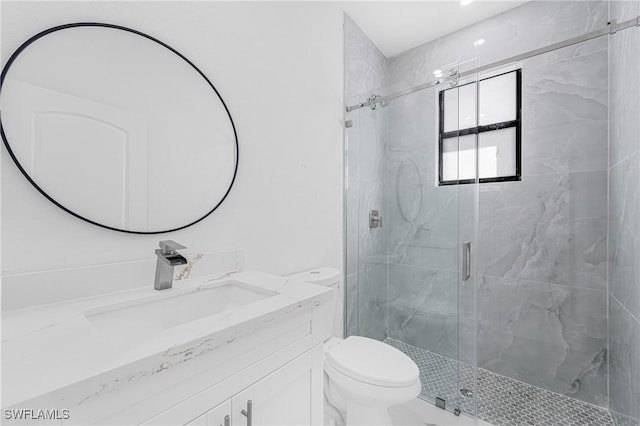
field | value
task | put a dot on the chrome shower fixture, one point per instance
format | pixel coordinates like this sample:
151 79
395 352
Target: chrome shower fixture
374 100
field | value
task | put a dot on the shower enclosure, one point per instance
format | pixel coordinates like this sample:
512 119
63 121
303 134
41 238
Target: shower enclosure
488 167
414 281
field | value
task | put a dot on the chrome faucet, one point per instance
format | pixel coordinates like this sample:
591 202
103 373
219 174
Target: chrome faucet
168 258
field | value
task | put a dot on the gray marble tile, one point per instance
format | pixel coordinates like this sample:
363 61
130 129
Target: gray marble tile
365 72
549 228
623 10
624 110
372 242
468 197
423 225
550 336
365 66
624 238
624 364
416 227
624 208
352 304
412 122
352 225
372 302
622 420
578 53
532 25
410 168
536 24
423 308
372 128
416 65
466 323
564 110
352 141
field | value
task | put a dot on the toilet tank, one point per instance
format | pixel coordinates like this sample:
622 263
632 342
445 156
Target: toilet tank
328 277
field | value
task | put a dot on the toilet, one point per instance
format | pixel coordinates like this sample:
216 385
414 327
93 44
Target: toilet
363 377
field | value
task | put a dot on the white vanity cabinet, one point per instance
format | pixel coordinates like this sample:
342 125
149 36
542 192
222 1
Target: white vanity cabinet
218 416
284 396
268 351
291 395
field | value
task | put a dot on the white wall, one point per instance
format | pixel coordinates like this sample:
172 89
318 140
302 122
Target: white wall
278 67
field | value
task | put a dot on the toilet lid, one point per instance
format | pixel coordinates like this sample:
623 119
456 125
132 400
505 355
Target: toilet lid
373 362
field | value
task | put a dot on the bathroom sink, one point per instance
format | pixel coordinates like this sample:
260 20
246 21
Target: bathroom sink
175 307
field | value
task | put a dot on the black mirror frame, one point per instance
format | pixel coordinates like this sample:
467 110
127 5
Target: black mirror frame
41 34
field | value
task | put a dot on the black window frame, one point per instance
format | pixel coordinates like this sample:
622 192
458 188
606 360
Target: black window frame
517 123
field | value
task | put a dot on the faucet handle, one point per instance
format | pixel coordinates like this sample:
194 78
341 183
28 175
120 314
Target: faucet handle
170 246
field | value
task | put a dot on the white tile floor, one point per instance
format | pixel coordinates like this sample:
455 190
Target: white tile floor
422 413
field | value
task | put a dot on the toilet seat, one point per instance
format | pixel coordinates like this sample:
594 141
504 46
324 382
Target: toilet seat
372 362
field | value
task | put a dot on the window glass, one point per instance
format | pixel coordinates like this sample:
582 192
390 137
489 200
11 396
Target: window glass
466 132
460 108
451 110
467 102
497 153
497 97
458 158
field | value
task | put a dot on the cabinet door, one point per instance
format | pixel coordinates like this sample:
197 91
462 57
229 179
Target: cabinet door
284 396
220 415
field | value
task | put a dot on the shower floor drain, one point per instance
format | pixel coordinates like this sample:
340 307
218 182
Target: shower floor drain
467 393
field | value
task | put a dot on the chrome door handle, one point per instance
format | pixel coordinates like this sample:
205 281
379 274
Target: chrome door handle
248 413
227 420
466 260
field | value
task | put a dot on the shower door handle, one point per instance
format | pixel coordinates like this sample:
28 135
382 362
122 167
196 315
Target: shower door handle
466 260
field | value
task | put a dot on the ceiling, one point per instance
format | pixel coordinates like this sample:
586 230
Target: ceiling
400 25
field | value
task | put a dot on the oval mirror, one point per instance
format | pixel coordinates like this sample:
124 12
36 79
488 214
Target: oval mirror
117 128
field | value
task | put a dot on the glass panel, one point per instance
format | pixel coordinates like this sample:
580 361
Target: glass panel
497 101
497 153
460 108
372 247
451 110
422 247
458 158
406 287
467 103
542 236
351 217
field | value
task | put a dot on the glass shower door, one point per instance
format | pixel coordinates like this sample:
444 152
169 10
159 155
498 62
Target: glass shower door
458 140
431 215
366 240
412 163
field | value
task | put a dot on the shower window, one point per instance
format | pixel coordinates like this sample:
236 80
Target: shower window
481 117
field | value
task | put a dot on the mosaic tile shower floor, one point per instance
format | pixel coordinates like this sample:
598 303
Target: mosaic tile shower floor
501 400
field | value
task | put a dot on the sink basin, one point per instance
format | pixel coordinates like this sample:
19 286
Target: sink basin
173 308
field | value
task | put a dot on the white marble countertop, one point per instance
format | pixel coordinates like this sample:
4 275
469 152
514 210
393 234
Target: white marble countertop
50 347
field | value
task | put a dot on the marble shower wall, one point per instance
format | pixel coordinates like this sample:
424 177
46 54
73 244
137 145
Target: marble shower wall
542 242
366 274
624 211
423 231
530 26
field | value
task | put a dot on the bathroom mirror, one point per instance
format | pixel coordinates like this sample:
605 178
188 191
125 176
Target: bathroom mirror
117 128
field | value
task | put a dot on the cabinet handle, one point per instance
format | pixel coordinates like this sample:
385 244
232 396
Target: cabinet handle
227 420
248 413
